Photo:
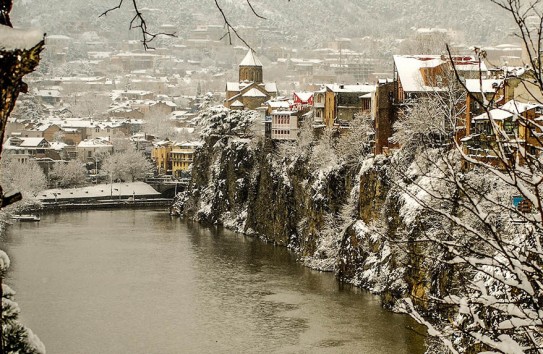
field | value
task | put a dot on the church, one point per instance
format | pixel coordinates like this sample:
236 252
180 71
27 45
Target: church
250 92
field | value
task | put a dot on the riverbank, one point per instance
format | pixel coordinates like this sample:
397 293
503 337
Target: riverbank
100 192
109 204
103 196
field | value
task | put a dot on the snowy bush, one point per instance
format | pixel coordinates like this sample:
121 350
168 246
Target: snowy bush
219 120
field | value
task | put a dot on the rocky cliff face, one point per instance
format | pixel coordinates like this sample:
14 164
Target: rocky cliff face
407 227
346 218
246 186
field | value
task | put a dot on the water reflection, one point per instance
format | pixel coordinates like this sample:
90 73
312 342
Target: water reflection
141 282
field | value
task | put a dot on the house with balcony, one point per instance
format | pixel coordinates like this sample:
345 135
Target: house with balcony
23 148
181 157
161 156
284 125
341 103
513 126
478 92
318 106
93 150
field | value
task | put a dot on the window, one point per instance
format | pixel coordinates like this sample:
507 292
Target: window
508 126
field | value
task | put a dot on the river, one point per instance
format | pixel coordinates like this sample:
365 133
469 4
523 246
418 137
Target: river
139 281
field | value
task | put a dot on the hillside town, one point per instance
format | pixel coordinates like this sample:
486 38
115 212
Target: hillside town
191 166
135 96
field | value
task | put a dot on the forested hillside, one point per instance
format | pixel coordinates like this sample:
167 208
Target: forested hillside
302 23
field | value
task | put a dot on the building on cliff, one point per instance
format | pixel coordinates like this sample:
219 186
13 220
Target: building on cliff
284 125
337 105
251 91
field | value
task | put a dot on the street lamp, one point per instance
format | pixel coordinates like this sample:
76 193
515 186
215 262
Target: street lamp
95 168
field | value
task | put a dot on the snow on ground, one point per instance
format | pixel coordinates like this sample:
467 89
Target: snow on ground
115 190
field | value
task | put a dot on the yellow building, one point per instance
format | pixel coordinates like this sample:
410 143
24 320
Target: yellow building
161 156
181 157
173 158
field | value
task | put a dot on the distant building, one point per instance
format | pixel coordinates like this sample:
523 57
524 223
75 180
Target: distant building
181 157
161 156
91 150
339 104
24 148
250 92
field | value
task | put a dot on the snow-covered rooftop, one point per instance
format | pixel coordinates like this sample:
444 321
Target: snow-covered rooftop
20 142
409 70
250 59
278 104
254 93
351 88
304 95
237 103
114 190
57 145
94 143
486 85
509 109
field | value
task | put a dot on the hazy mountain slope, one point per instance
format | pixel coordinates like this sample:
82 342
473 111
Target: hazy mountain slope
306 22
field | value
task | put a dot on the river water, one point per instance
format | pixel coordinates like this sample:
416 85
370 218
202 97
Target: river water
138 281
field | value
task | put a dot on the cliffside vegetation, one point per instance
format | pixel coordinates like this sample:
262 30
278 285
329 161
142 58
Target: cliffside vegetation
387 224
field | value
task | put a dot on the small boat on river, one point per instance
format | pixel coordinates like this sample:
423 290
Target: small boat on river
26 217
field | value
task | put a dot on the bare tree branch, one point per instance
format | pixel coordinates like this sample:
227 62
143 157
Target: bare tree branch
253 10
138 22
230 28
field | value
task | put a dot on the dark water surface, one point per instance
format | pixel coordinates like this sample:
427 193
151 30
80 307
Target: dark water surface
138 281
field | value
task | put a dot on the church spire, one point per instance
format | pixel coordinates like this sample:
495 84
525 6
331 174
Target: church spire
250 68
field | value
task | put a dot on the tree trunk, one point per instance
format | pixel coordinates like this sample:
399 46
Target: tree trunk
14 65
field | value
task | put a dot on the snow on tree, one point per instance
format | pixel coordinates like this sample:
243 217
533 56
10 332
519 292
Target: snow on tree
129 165
71 174
121 144
30 108
16 338
137 165
25 177
219 120
160 125
113 166
88 105
483 251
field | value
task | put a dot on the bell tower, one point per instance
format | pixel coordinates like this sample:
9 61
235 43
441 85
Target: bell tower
250 68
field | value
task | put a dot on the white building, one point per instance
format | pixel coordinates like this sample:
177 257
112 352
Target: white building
24 148
284 125
93 150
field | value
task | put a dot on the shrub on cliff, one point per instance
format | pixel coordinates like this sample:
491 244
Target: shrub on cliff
219 120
